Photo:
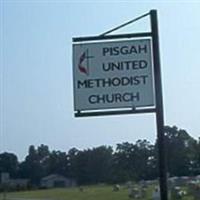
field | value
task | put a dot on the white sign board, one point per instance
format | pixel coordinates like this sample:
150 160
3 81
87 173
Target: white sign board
115 74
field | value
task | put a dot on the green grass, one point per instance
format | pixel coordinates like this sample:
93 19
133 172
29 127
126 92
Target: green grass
90 193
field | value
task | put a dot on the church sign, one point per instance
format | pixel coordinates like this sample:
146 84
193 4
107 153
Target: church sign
114 74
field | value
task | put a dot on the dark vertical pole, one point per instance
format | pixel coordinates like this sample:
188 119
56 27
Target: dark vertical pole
159 106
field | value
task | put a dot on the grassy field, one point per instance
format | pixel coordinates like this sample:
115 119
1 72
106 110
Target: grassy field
89 193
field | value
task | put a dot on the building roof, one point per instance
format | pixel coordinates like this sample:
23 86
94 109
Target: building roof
53 176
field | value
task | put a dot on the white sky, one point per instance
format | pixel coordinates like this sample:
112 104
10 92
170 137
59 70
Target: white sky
36 71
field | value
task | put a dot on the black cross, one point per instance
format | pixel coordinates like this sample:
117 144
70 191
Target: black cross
88 57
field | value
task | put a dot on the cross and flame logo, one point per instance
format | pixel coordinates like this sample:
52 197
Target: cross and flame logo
83 64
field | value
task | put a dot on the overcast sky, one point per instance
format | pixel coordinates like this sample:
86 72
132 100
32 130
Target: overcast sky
36 71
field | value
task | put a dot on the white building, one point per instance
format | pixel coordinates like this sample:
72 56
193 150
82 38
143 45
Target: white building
56 180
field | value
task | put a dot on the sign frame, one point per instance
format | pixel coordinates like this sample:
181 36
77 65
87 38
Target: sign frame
101 71
117 111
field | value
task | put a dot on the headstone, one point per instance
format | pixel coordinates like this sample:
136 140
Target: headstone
116 188
134 193
156 194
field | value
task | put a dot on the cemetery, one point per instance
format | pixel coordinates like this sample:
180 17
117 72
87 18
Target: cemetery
143 190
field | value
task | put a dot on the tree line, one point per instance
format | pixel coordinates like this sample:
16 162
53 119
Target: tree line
104 164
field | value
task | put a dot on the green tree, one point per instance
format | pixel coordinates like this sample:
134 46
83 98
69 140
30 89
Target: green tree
196 158
58 163
180 151
92 165
36 163
9 163
134 161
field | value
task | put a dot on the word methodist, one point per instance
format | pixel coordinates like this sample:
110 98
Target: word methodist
114 74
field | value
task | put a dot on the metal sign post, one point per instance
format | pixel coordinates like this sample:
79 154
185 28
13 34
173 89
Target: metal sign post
159 106
90 82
